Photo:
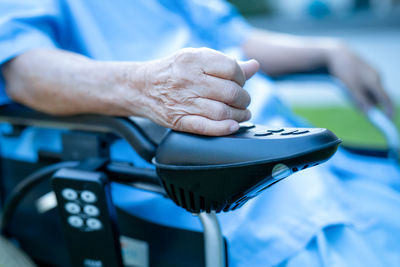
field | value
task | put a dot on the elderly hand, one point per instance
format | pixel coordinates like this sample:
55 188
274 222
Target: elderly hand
362 80
198 91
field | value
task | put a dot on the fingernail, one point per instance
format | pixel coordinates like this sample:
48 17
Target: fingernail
234 127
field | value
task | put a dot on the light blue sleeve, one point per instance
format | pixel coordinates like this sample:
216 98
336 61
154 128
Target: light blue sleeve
216 21
25 25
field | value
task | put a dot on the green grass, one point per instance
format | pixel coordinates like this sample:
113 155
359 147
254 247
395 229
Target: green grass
347 123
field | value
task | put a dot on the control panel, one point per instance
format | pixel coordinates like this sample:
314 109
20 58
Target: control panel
88 218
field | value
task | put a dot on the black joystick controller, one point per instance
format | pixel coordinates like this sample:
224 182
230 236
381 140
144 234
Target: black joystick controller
202 173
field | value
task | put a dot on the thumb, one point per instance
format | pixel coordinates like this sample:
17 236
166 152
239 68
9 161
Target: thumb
249 67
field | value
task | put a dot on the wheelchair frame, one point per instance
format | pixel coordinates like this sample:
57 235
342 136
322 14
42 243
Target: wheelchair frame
126 128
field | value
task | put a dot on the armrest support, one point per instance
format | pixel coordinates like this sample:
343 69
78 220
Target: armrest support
388 129
123 127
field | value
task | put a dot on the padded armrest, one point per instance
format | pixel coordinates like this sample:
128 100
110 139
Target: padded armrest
123 127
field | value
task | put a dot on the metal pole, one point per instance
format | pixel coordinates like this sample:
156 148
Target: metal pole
214 245
388 129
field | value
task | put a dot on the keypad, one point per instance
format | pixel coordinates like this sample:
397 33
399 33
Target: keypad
278 131
81 210
252 129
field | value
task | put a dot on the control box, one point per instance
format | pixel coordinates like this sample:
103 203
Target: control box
88 218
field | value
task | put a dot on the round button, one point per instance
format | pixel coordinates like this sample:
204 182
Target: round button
72 208
69 194
277 130
262 133
75 221
93 224
88 196
91 210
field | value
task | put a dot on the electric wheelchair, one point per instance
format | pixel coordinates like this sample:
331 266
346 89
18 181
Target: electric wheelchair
60 213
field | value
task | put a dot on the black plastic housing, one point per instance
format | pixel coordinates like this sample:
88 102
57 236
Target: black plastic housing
218 174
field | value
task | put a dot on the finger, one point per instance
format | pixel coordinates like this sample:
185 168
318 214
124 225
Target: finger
362 100
218 65
201 125
215 110
382 98
225 91
249 67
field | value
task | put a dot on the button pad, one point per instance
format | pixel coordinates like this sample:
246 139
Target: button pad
95 220
265 132
83 213
250 130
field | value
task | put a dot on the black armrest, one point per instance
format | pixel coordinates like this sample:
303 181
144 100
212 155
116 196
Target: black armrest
123 127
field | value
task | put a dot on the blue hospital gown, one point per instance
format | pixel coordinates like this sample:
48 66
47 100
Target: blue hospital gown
345 212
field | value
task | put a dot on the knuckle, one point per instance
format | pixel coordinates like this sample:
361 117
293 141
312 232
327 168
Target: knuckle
222 112
233 94
246 115
204 50
245 99
231 66
249 115
185 55
178 123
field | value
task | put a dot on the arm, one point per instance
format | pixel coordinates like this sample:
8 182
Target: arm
283 53
195 90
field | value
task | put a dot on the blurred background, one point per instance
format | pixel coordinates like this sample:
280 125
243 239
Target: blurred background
371 27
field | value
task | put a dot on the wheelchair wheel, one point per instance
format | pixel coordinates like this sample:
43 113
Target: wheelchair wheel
11 256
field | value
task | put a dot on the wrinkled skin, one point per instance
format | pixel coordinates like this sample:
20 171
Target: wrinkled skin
199 91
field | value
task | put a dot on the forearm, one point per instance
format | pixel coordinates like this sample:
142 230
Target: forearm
63 83
283 53
193 90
